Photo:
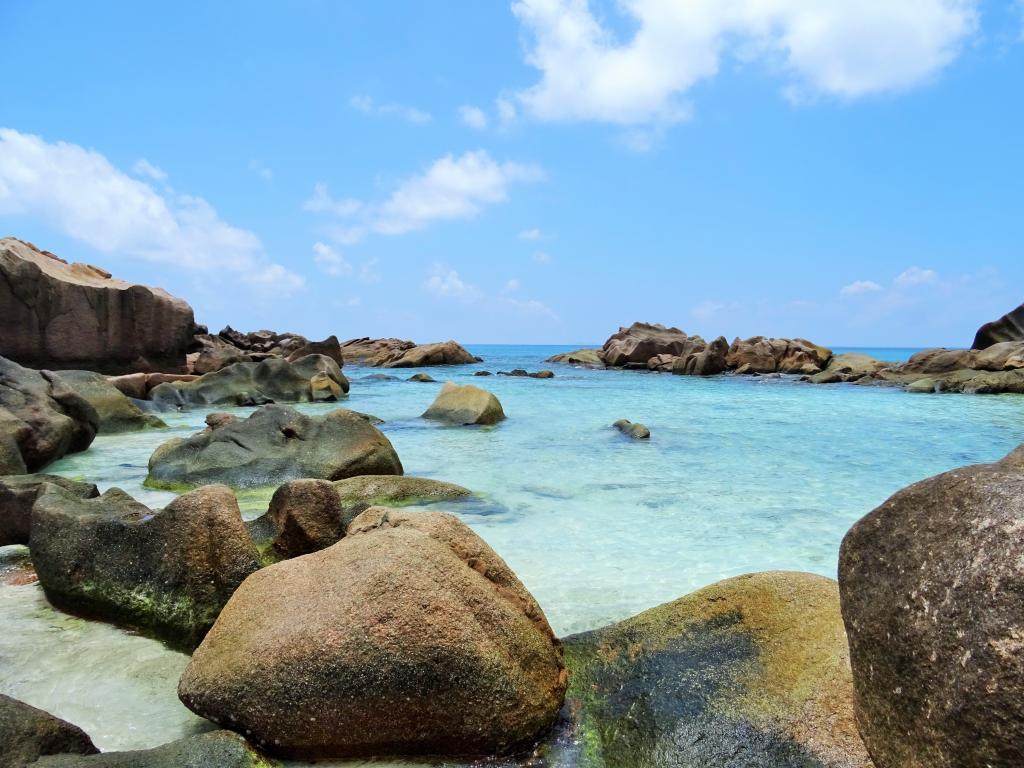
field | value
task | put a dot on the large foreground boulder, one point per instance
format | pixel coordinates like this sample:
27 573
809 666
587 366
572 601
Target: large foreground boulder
273 380
441 353
41 418
1009 327
409 636
465 404
750 672
217 749
932 586
27 733
275 444
18 494
167 572
116 412
74 316
640 342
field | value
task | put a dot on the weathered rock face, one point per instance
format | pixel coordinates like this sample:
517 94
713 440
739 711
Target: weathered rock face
27 733
640 342
752 671
441 353
42 417
18 493
73 316
306 516
116 412
409 636
270 381
761 355
165 572
365 351
138 385
996 369
329 347
274 445
706 361
465 404
585 358
218 749
849 366
635 431
1009 327
215 353
932 586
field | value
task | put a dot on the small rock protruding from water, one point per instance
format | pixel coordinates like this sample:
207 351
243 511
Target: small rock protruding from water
465 404
423 377
636 431
483 373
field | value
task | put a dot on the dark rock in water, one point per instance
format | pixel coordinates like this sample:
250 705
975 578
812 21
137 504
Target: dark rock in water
750 672
441 353
482 373
42 416
423 377
762 355
74 316
514 372
271 381
523 373
586 358
217 749
932 586
541 374
707 361
27 733
441 650
116 412
379 377
465 404
1009 327
329 347
306 516
635 431
275 444
167 572
18 494
640 342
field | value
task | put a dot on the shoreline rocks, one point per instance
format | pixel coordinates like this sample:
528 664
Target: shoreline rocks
75 316
216 749
465 405
18 494
27 734
116 412
1009 327
421 356
442 651
273 445
931 584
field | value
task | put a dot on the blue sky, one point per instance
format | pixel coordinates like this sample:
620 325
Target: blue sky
541 171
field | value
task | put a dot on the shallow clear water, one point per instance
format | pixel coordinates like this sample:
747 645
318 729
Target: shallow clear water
741 474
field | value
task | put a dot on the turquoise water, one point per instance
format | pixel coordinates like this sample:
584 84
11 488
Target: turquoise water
741 474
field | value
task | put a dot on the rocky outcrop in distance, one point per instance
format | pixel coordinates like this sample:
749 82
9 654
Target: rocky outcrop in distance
61 316
1009 327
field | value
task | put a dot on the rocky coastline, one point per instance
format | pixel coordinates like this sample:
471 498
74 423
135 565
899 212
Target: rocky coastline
350 622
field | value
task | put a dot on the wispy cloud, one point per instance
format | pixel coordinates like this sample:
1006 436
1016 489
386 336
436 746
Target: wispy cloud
366 105
531 234
916 276
322 202
145 168
472 116
445 282
858 287
330 261
261 170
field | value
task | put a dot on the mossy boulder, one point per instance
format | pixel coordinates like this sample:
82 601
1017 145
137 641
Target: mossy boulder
116 411
166 572
27 733
465 405
751 672
396 490
217 749
275 444
18 494
408 636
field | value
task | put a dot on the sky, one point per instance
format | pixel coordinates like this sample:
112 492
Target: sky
541 171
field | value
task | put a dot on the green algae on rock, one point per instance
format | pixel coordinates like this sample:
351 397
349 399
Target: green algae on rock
166 572
752 671
116 411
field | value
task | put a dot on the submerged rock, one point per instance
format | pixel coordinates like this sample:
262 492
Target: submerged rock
586 358
274 380
167 572
42 417
75 316
932 584
465 404
441 353
27 733
409 636
1009 327
629 429
752 671
273 445
116 412
217 749
18 494
423 377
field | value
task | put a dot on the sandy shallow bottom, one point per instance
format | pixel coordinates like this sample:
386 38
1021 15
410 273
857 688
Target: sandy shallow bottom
740 475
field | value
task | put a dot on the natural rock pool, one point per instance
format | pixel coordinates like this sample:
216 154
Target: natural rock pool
741 474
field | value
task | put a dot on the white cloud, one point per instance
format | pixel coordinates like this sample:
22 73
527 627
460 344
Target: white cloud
261 170
858 287
78 192
506 110
446 282
511 286
916 276
451 188
368 271
474 117
531 234
330 261
143 167
366 105
834 47
541 257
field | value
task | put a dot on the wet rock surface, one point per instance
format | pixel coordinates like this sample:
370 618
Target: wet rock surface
217 749
465 405
116 412
27 733
18 494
